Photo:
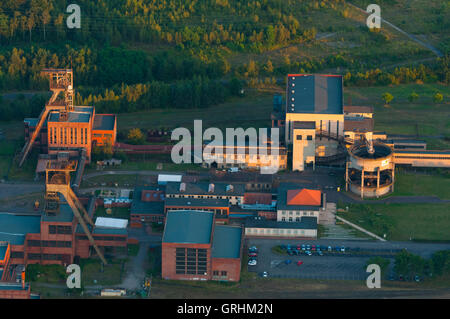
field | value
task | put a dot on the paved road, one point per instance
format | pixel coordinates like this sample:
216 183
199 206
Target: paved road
9 189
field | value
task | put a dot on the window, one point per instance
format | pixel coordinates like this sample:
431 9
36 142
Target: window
223 273
58 229
309 137
215 273
17 254
299 137
191 261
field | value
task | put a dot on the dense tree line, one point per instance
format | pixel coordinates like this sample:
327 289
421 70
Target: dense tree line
199 92
20 69
240 24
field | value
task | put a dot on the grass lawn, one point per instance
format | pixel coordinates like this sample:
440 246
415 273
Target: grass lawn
409 184
46 273
422 117
403 221
154 262
133 249
117 212
111 274
256 106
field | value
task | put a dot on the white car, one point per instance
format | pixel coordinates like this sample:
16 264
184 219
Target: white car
252 262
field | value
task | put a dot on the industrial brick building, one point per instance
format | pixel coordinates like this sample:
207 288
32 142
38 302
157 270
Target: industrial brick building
52 239
64 127
195 248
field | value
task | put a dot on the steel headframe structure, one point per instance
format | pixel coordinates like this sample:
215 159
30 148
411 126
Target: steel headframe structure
57 181
60 80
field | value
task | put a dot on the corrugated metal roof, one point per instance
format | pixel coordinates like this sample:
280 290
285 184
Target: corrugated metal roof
201 188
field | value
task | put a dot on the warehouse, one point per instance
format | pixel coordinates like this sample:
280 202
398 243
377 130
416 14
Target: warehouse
194 248
305 228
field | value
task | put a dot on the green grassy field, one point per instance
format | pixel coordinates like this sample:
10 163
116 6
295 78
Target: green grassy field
423 117
410 184
428 20
116 212
91 270
403 221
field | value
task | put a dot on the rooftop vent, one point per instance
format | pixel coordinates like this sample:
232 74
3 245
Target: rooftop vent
211 188
230 188
182 187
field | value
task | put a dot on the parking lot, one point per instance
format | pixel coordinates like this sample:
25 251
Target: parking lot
348 265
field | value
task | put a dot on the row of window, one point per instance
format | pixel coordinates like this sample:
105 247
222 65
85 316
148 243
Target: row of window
299 213
45 256
247 157
58 229
48 243
105 238
222 273
274 231
300 137
66 133
191 261
202 196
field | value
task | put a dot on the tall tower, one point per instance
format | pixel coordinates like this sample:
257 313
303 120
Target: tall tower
57 182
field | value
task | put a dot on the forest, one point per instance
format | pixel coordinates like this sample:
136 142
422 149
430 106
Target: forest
141 54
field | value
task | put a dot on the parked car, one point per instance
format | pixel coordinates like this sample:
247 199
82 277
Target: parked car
308 253
287 261
318 247
417 278
290 253
303 247
299 263
329 248
313 247
343 249
264 274
253 255
288 247
299 247
320 253
252 262
296 252
308 247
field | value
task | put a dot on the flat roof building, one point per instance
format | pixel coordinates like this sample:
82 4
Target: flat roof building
195 248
